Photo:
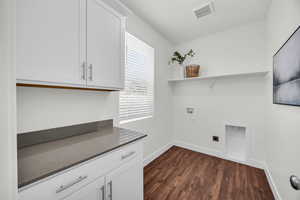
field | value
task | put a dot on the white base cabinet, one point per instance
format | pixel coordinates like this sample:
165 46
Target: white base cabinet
117 175
70 43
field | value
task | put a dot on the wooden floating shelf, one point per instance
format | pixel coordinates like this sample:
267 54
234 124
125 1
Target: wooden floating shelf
257 74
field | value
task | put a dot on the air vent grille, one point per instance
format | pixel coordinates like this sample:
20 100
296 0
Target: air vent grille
205 10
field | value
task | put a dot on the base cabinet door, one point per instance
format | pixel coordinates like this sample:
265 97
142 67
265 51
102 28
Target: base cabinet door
125 182
93 191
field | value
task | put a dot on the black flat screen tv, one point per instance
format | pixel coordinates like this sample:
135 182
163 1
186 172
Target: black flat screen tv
286 72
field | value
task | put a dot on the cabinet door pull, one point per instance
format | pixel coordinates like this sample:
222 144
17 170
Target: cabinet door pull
83 75
91 72
64 187
103 192
110 195
128 155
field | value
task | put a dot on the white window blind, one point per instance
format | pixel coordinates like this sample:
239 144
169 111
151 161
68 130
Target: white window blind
136 100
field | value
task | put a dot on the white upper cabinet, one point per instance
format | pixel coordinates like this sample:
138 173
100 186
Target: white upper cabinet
76 43
50 46
105 46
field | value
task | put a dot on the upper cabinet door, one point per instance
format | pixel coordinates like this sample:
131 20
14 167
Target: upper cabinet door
105 46
51 42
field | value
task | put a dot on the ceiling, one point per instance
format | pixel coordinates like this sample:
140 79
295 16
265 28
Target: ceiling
175 19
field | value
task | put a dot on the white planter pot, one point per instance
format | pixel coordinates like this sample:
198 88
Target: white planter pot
178 72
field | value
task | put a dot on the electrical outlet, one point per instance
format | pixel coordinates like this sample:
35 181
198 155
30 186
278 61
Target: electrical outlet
190 110
215 138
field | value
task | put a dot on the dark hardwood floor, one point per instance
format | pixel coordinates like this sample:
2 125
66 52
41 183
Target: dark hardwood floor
181 174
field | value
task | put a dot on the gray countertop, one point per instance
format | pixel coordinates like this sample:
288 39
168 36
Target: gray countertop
39 161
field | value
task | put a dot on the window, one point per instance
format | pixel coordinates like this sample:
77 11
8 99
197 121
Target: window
136 101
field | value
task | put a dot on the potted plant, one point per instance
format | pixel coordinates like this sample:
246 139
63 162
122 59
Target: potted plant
189 71
177 57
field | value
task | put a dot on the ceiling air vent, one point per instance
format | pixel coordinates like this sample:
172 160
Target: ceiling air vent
205 10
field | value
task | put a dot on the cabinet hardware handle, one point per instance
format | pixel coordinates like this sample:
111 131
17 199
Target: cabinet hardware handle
64 187
103 192
128 155
126 54
83 76
91 72
110 196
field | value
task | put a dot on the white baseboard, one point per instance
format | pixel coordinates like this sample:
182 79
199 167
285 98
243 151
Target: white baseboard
219 154
157 153
272 183
197 148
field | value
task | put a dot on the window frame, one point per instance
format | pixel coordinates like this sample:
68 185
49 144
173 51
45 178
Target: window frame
118 120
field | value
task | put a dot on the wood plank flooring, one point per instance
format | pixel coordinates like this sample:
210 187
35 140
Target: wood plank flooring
181 174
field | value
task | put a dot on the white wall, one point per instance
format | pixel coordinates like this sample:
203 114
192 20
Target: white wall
40 108
158 127
234 100
283 121
240 49
8 178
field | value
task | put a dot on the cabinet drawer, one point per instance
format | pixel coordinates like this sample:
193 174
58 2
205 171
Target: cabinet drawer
120 156
69 181
129 153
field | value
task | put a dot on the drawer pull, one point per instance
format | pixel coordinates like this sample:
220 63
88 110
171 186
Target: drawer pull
91 72
128 155
64 187
103 192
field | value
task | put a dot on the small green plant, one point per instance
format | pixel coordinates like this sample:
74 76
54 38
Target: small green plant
177 57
